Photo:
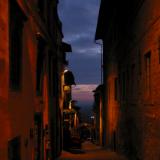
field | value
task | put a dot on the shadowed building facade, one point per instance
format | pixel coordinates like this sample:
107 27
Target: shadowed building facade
130 32
98 115
32 60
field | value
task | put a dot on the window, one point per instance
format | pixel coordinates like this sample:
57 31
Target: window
14 149
40 59
53 75
41 8
17 19
38 135
147 72
49 18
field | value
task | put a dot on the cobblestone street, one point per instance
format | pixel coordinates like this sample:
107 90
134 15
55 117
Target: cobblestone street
90 151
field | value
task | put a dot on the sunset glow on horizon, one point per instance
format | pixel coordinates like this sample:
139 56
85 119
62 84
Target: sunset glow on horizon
83 92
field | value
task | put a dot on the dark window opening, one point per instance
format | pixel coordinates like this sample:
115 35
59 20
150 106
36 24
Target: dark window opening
147 72
38 135
41 7
14 149
17 19
49 20
40 64
53 75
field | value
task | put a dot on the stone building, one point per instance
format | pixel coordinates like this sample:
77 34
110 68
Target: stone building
98 115
130 31
32 60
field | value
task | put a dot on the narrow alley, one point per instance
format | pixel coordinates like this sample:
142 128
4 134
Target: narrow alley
90 151
79 80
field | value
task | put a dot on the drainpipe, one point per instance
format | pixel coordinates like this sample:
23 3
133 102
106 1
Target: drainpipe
102 110
101 52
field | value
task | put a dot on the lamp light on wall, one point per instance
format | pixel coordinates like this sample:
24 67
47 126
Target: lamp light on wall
66 70
70 104
67 88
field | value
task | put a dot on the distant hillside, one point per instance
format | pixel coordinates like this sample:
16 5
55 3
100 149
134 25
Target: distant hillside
85 111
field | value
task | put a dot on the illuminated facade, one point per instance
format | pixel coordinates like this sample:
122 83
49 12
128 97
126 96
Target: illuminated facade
130 31
32 59
70 117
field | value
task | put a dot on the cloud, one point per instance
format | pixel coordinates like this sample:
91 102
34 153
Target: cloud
85 69
81 13
79 19
83 92
84 88
84 44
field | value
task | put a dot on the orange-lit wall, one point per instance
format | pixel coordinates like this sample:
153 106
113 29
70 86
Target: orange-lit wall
22 103
17 108
136 117
111 105
100 122
5 123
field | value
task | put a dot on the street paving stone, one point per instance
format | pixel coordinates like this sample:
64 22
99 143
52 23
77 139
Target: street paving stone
90 151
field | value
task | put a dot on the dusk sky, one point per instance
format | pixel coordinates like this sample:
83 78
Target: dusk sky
79 20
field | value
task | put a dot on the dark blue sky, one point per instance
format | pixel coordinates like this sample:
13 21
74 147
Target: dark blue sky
79 19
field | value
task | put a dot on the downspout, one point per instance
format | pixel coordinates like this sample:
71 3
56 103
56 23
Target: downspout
101 52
